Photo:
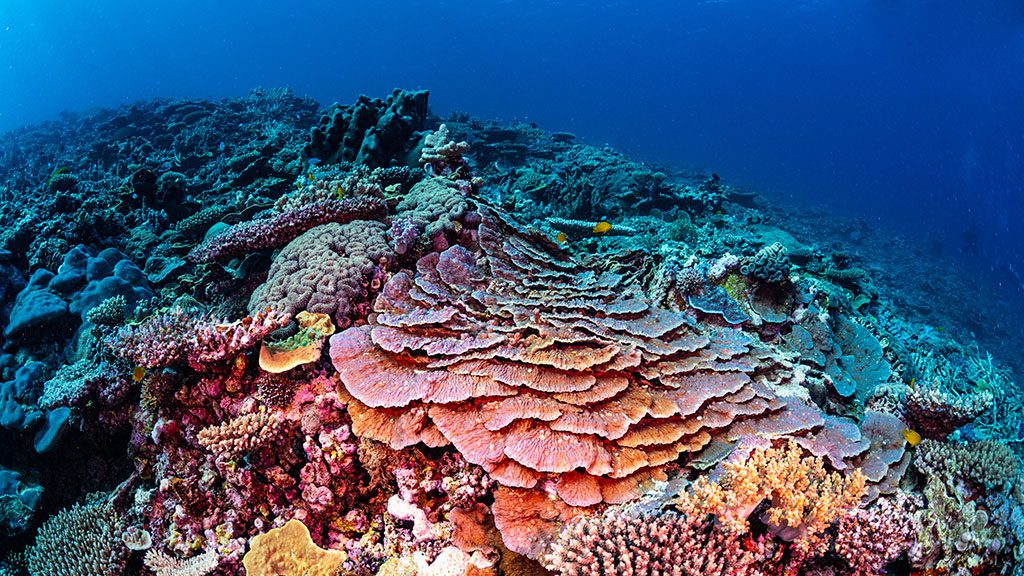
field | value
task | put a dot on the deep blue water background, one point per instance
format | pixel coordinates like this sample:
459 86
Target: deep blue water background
908 113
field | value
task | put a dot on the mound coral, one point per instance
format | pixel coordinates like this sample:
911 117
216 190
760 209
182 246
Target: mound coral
330 269
537 368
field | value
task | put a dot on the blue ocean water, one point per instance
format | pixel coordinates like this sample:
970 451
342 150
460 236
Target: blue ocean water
904 112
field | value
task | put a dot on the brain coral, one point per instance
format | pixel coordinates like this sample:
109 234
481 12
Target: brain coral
327 270
537 368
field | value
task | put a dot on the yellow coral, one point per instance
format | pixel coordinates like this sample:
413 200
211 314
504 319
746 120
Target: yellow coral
804 498
302 348
289 551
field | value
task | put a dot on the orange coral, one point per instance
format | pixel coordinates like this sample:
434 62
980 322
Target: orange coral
804 498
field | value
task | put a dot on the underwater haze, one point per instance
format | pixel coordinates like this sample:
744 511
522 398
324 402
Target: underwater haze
904 112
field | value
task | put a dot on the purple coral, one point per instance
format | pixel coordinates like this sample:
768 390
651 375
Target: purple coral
327 270
181 336
286 226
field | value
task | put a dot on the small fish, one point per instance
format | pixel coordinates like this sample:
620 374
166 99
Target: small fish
941 329
138 373
310 177
338 191
602 227
561 238
913 382
913 437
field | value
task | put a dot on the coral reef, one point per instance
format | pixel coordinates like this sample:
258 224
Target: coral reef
255 337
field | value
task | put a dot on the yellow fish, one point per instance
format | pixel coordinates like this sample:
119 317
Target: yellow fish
310 176
912 437
338 191
913 382
602 227
561 238
138 373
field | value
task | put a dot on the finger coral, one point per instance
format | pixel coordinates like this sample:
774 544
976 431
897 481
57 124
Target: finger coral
303 347
84 540
643 544
242 434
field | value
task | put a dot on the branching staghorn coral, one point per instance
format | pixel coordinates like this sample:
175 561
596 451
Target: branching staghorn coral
84 540
622 543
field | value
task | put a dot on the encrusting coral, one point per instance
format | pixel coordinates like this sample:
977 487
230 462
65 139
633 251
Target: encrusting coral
303 347
289 551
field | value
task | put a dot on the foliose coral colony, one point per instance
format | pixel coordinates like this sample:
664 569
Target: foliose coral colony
245 338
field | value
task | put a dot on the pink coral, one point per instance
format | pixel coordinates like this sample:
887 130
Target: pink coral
180 336
543 371
621 543
284 227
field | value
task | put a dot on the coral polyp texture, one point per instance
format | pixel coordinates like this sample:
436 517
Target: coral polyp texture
257 338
